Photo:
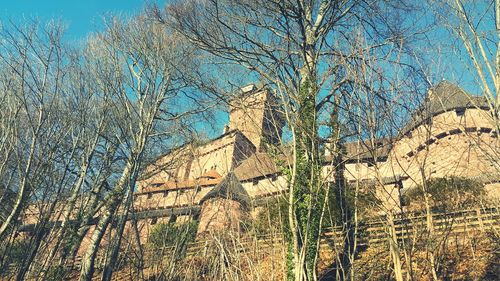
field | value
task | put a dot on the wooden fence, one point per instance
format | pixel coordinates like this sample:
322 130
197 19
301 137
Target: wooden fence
373 232
376 231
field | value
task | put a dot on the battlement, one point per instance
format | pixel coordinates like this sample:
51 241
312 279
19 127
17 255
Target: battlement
254 112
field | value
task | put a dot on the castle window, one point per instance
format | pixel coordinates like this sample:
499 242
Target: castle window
273 178
255 181
484 130
460 111
165 193
150 195
430 141
404 201
172 219
154 220
441 135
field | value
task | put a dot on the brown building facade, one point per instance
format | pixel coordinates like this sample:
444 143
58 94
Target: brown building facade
450 135
222 181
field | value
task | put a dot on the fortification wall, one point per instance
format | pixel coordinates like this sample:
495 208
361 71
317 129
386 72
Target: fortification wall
266 186
452 145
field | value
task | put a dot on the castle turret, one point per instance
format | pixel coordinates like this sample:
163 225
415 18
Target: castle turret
224 207
255 113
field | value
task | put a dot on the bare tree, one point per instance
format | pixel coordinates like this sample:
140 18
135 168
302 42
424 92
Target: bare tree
299 48
140 66
477 27
34 57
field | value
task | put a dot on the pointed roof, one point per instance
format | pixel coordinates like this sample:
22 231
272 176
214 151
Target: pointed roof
444 97
229 188
257 165
211 174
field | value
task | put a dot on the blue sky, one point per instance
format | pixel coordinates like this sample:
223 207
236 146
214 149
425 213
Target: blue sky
85 16
82 16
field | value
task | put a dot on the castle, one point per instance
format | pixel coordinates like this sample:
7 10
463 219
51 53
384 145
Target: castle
232 177
227 178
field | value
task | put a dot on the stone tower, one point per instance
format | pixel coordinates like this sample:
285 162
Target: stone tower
224 207
255 113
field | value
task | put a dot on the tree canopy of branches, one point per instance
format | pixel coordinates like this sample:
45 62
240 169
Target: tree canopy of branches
76 125
309 52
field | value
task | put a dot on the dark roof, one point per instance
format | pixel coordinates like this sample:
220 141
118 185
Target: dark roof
262 164
174 185
442 98
258 165
365 150
383 180
229 188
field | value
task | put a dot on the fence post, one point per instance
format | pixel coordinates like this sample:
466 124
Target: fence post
480 219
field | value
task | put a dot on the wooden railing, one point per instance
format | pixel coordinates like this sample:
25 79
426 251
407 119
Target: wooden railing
373 232
376 230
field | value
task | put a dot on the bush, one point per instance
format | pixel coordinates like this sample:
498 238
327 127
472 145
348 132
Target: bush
446 194
165 235
471 257
12 255
269 218
16 252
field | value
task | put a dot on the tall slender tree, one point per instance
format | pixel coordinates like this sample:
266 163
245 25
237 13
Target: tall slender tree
300 48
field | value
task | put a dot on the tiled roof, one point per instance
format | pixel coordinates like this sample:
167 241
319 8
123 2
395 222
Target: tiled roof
365 150
258 165
229 188
186 184
442 98
212 174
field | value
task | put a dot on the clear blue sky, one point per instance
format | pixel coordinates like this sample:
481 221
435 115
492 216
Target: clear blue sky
82 16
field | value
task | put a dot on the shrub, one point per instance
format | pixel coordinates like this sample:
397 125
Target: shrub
16 252
165 235
446 194
271 218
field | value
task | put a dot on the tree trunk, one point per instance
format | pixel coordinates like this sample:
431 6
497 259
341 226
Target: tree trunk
68 209
393 248
115 244
87 270
24 189
112 203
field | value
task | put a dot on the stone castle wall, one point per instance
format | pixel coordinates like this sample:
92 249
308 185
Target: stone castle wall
456 143
219 214
453 145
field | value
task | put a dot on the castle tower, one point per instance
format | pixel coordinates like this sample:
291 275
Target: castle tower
224 207
255 113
